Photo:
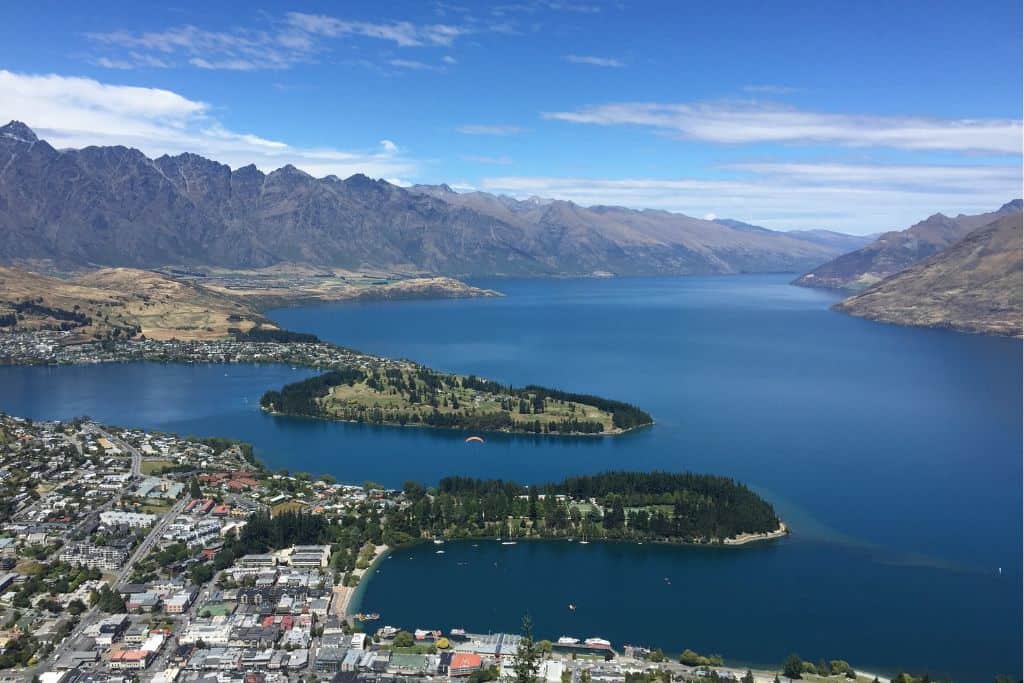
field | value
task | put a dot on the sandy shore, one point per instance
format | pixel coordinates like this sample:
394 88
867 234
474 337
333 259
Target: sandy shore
743 539
343 594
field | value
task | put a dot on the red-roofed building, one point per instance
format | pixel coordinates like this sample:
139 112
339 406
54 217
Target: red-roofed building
122 658
464 663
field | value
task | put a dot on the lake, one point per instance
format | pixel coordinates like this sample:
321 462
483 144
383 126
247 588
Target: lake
893 453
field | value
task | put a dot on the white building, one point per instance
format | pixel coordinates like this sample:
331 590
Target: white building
135 520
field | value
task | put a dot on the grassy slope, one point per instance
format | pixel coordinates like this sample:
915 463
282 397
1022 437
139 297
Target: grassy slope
124 298
167 307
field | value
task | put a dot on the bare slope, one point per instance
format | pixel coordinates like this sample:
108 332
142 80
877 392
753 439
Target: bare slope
973 286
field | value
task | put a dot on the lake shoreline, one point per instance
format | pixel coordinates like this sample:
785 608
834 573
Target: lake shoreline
461 430
744 539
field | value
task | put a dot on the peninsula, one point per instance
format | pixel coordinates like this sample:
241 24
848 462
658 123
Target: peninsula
662 507
190 304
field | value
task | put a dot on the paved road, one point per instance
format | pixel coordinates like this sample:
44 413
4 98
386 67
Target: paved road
152 538
125 448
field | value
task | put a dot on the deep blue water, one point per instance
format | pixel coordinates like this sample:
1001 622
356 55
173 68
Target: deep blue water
894 453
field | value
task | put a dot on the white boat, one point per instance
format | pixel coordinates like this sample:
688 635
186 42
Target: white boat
584 542
508 542
439 552
438 541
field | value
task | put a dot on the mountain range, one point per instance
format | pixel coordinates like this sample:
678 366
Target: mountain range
895 251
829 238
113 206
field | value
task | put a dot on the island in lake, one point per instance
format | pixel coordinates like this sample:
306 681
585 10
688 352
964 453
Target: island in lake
412 395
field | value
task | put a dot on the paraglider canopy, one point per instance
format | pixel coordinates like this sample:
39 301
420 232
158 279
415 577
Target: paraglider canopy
474 439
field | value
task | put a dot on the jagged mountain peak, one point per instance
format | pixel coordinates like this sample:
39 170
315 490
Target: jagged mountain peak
290 170
248 170
363 180
17 130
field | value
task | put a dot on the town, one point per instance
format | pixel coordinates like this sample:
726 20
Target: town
52 347
133 555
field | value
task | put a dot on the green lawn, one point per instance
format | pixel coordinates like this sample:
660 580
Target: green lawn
451 399
156 466
288 506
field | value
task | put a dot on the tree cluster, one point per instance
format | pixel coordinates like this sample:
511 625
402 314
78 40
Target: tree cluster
626 505
265 334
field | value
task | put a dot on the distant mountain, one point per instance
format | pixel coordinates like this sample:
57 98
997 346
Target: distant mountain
829 238
614 239
113 206
839 241
895 251
973 286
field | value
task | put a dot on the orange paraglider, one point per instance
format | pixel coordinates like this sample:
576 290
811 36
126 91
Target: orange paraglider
474 439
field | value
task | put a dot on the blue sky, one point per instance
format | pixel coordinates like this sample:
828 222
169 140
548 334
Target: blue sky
853 116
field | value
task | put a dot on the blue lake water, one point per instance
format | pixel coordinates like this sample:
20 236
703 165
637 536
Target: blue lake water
894 453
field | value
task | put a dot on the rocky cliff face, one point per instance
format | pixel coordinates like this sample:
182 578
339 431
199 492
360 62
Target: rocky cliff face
113 206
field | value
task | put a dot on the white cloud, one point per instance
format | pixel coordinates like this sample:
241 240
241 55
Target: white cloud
594 61
501 129
75 112
293 39
402 33
948 178
738 123
414 65
534 6
239 50
860 199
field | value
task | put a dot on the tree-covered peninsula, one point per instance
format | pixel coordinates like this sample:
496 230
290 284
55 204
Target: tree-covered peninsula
418 396
637 506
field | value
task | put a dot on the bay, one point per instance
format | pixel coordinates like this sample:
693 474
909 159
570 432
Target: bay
894 454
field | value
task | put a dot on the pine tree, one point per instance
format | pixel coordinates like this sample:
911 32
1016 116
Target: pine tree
527 660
